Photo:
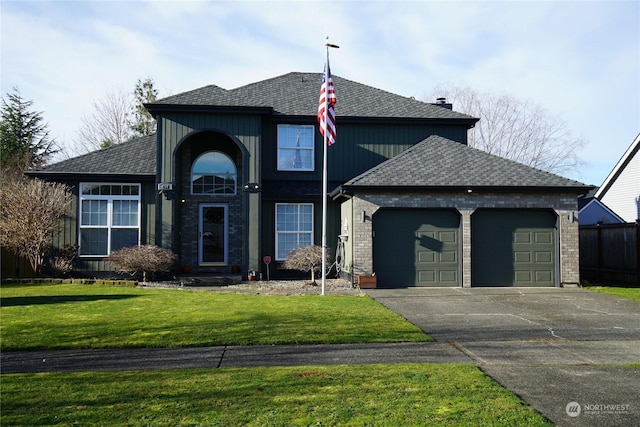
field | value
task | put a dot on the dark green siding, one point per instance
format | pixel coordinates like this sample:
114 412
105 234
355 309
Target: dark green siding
359 147
243 128
68 232
268 236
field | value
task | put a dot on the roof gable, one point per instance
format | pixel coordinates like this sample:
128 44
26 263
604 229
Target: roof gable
296 94
443 163
134 157
619 168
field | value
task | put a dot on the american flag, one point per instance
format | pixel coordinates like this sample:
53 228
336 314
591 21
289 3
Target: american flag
326 106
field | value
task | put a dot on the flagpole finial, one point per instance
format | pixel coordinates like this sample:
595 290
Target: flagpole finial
327 44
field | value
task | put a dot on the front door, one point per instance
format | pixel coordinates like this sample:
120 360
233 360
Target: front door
213 239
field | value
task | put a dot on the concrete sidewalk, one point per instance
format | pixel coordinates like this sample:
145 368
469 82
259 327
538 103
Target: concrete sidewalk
229 356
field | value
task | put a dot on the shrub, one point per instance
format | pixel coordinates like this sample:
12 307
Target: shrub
147 259
306 258
62 263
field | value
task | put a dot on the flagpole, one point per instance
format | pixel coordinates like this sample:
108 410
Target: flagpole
324 178
324 171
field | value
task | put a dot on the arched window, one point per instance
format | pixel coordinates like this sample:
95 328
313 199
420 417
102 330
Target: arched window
213 173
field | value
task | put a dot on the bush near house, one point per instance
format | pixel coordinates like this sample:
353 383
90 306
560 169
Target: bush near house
306 258
147 259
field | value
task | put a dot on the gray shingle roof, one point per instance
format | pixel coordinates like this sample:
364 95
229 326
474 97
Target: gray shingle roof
440 162
296 94
135 157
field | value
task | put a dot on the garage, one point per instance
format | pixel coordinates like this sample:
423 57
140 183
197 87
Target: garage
416 247
514 247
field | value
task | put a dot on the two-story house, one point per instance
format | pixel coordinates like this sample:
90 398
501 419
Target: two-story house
234 175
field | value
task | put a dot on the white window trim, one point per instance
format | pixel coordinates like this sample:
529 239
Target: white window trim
109 226
278 233
312 130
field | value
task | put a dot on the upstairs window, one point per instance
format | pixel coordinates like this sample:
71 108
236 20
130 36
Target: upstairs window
296 147
213 173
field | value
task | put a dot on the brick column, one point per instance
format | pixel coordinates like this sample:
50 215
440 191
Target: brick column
465 230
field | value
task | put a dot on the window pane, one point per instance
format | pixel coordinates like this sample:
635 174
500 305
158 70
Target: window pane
125 213
93 241
286 242
94 212
296 147
123 238
294 227
213 173
295 159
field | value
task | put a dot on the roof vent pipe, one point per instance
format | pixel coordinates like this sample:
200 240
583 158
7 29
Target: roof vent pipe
441 100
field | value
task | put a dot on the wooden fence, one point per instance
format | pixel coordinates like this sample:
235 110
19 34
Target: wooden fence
610 252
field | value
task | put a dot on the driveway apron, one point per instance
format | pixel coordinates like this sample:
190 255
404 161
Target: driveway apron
572 354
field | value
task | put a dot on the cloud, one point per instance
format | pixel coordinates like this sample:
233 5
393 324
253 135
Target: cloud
580 59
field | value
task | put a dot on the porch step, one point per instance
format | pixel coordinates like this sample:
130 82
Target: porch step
210 280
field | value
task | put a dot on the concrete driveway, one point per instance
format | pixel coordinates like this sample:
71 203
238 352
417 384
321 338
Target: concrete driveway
572 354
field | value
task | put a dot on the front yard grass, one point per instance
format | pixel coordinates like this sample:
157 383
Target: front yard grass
359 395
72 316
621 291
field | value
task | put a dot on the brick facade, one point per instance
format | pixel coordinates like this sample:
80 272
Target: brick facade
364 206
189 212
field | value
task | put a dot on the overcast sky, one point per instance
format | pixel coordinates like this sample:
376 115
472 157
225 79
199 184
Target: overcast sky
580 59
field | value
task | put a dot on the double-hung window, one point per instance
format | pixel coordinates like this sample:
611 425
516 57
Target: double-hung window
296 147
294 227
109 217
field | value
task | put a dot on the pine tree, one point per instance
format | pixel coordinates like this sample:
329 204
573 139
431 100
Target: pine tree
24 137
143 123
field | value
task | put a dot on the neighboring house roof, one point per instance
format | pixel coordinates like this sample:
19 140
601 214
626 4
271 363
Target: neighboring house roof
621 189
439 163
594 212
624 161
297 94
132 158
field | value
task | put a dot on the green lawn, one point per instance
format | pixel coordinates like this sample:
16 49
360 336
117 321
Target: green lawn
625 292
90 316
360 395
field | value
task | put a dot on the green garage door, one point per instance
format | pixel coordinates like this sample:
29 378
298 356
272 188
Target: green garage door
416 247
513 248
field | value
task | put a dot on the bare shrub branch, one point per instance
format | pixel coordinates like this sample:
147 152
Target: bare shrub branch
307 258
30 213
147 259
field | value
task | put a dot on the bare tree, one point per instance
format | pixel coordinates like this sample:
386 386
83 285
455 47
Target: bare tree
108 124
307 258
517 129
30 213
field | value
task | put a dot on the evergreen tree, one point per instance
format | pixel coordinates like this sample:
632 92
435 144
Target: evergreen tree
24 137
143 123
